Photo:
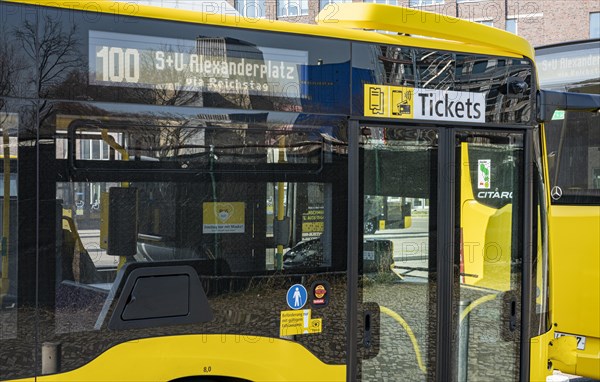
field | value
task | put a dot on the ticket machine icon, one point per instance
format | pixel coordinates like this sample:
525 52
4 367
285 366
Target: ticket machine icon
401 104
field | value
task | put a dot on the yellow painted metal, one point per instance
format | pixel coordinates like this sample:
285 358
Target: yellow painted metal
5 280
110 140
539 368
575 267
329 29
8 122
256 359
474 223
67 212
79 249
280 203
486 240
563 350
588 360
497 251
576 293
416 22
574 243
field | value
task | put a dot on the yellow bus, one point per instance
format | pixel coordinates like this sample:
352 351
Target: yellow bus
192 191
572 148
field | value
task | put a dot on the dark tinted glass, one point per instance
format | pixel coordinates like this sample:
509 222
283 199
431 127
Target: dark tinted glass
503 84
399 276
489 258
494 164
18 260
127 59
216 190
573 142
18 68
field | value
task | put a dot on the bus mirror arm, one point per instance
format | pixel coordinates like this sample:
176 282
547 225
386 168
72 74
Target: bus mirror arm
549 101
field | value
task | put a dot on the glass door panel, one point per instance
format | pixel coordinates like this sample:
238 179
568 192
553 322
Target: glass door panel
17 257
488 260
397 284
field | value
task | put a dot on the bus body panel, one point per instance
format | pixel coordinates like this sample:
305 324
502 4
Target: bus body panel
368 16
539 356
571 149
247 357
575 282
475 222
486 246
497 259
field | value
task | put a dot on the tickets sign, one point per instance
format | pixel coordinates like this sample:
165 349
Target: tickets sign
401 102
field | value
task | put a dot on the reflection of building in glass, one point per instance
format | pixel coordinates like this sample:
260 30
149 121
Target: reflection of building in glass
536 21
251 8
209 6
213 47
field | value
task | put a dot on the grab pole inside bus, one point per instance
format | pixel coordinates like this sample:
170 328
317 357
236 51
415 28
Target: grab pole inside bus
5 281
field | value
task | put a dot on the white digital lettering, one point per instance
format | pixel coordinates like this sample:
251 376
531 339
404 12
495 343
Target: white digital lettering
132 65
179 65
494 195
160 60
170 63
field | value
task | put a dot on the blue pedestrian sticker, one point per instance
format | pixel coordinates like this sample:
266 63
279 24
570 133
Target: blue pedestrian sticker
296 296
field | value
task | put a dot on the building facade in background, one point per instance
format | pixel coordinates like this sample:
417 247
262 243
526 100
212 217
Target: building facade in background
541 22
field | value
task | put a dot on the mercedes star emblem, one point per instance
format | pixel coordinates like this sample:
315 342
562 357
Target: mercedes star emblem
556 193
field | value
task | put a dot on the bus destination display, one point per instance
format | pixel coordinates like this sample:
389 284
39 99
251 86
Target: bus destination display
206 64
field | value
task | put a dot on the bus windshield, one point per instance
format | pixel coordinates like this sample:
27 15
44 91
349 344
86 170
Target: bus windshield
573 144
572 137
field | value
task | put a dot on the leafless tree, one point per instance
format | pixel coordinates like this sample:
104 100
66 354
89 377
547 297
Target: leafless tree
55 53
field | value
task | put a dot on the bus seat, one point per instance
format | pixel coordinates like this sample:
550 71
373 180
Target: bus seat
76 263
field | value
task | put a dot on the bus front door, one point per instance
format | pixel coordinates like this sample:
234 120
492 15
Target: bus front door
443 301
488 259
398 296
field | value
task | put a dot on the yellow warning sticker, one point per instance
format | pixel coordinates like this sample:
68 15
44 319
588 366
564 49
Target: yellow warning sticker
316 326
389 101
223 217
294 322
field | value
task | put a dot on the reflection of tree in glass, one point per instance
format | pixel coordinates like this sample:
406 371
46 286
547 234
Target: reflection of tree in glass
169 84
10 65
56 53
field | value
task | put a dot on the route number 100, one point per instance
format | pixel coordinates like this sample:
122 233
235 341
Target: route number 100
119 65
